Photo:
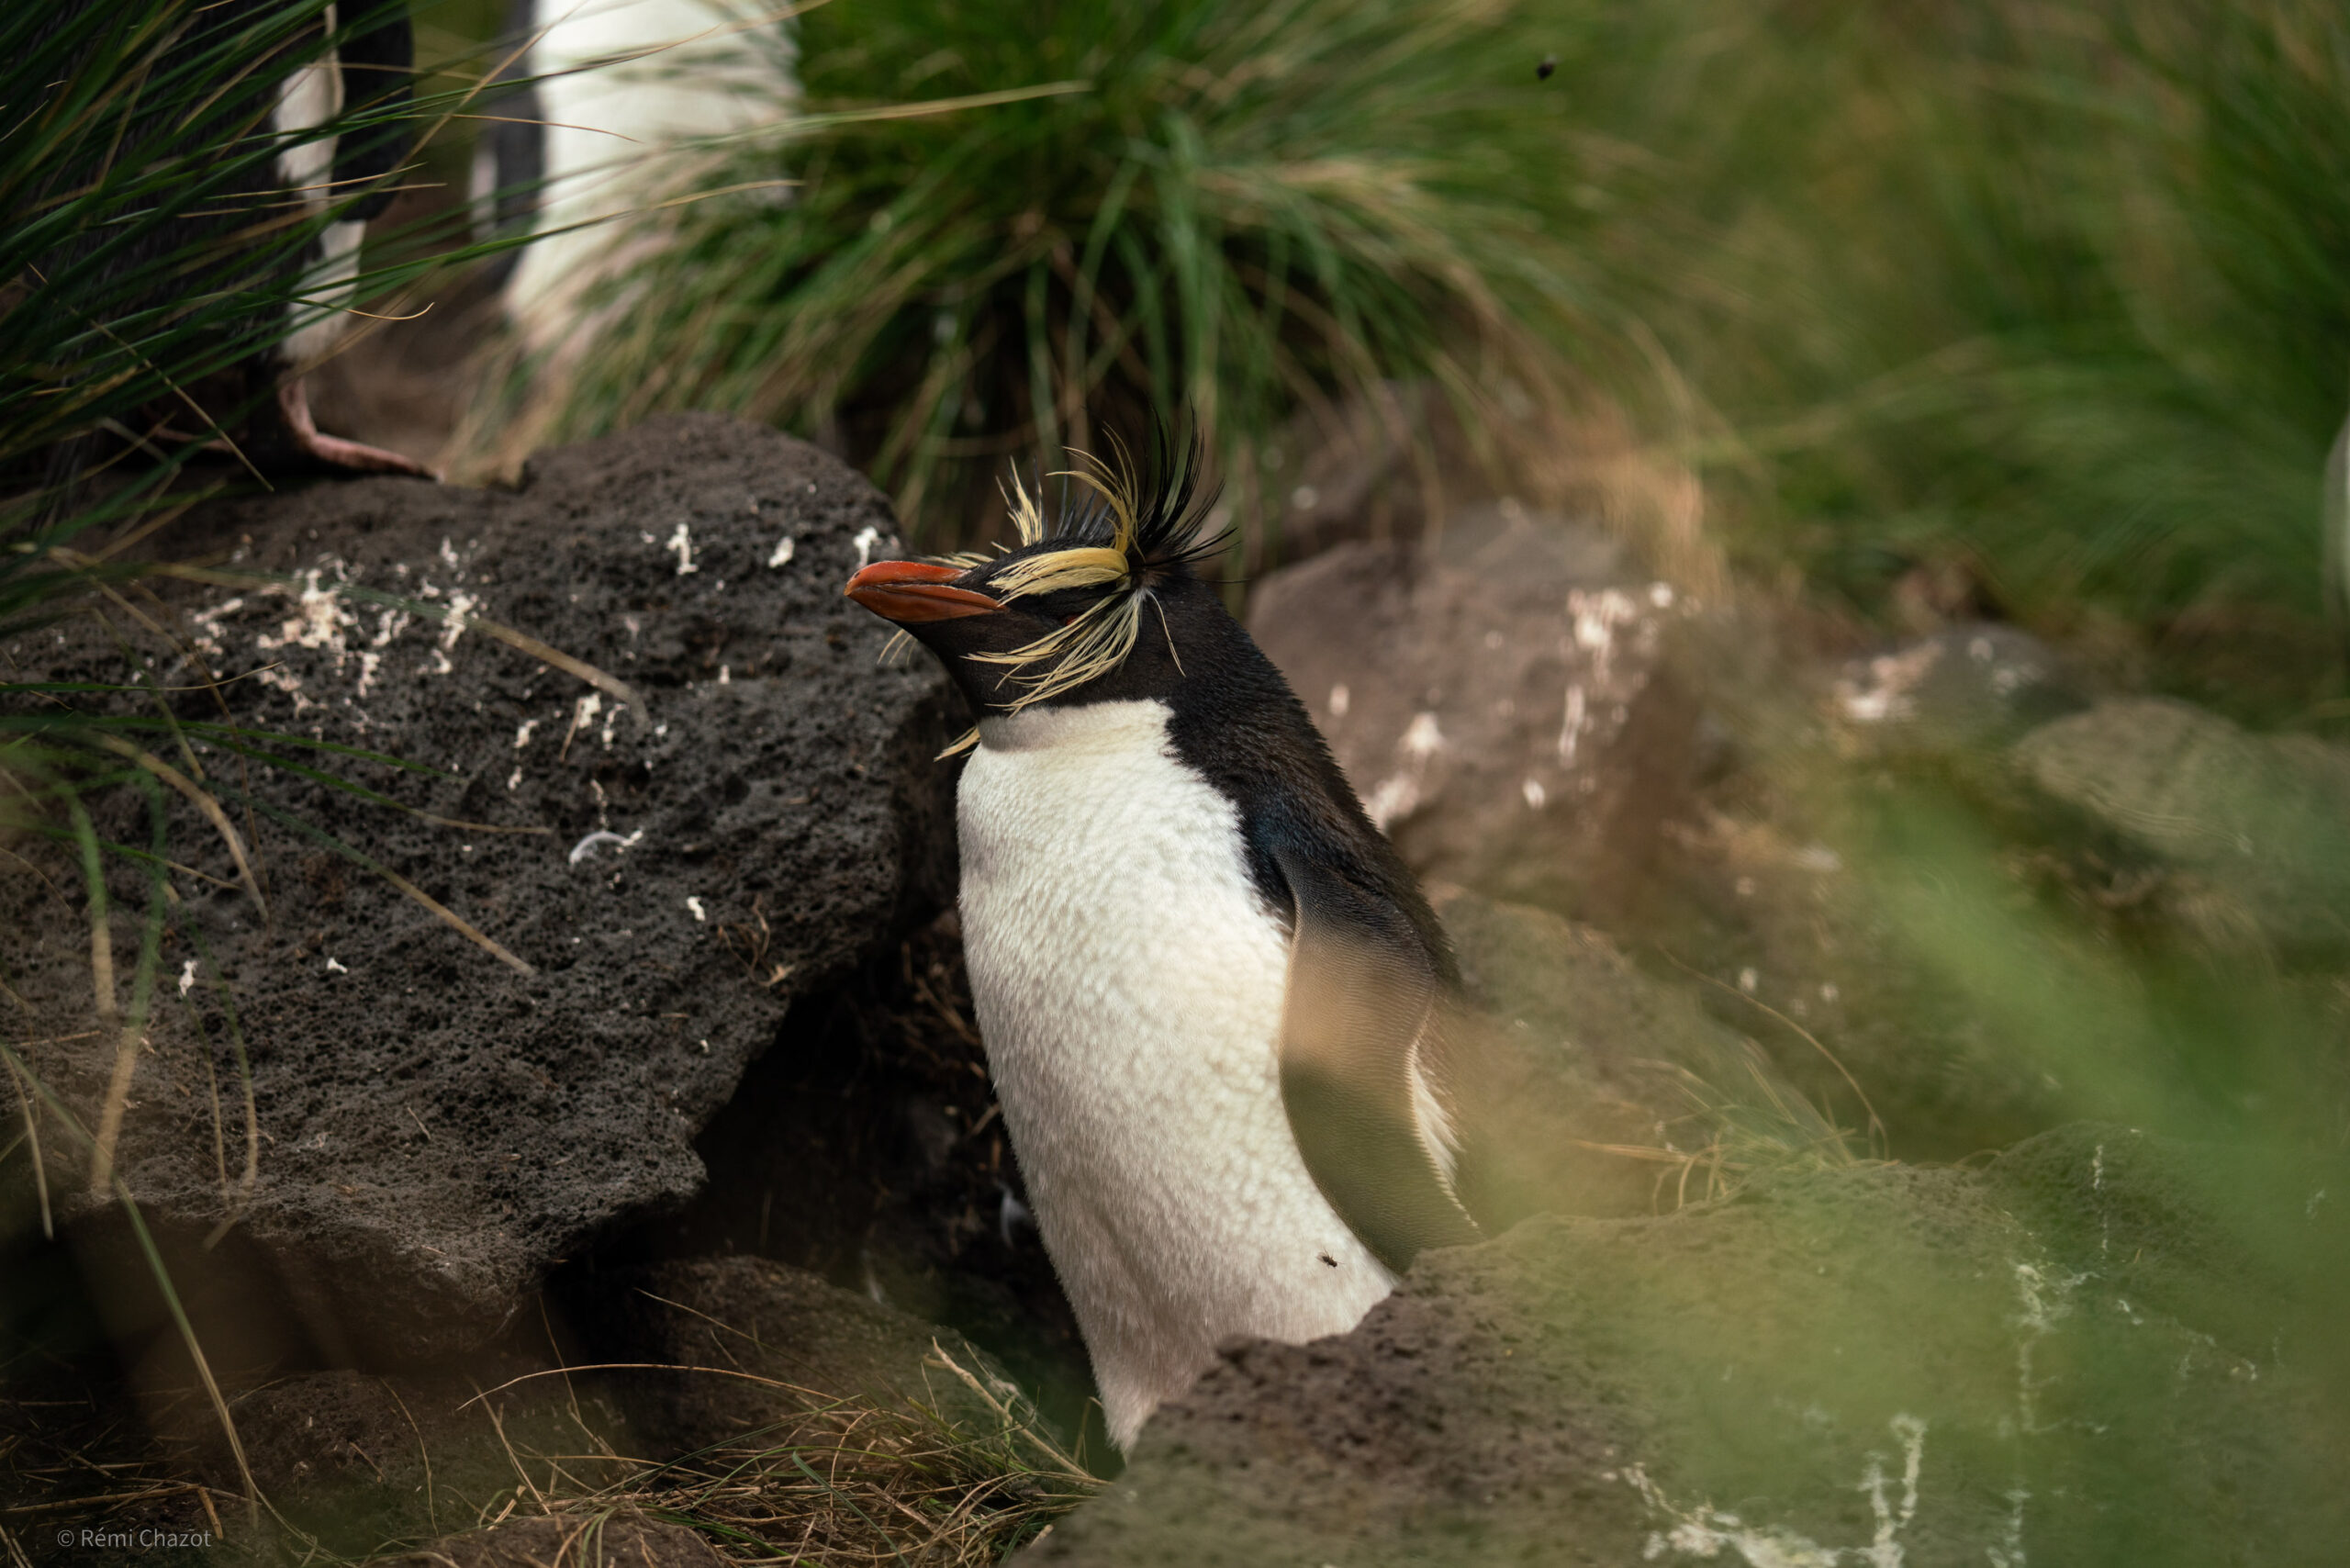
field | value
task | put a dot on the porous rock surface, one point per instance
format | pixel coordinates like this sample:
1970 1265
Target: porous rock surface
1504 701
2060 1358
436 1128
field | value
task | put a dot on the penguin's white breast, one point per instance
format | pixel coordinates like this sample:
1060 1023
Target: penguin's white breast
622 83
1129 984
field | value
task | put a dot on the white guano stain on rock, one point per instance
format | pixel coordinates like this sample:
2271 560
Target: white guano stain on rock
583 709
1423 739
1706 1531
319 620
867 538
1889 694
453 626
206 622
2042 1303
783 552
1619 634
682 542
1400 794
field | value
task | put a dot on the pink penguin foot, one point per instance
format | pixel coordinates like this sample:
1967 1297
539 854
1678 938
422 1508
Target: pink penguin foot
294 402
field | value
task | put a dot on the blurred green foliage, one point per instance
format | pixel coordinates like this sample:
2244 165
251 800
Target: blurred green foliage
2053 287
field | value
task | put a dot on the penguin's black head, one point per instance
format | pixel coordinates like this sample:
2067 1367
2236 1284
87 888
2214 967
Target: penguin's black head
1098 604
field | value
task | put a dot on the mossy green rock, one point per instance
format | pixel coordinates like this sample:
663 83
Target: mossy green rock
2098 1349
2263 822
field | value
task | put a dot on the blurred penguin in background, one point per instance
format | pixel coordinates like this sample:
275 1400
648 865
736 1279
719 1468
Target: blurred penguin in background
609 96
330 85
372 67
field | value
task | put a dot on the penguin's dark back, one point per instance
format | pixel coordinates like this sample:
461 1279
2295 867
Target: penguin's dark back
1236 722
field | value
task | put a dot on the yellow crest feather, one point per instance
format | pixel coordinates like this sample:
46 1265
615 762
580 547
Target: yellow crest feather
1098 641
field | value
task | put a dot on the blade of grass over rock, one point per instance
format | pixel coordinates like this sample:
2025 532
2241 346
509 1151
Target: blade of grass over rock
232 1205
434 906
142 992
157 1269
32 1139
202 802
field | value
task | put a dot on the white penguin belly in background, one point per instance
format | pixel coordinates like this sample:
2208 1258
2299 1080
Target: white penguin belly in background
622 86
1129 983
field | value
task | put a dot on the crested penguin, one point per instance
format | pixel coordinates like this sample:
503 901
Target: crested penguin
1214 1003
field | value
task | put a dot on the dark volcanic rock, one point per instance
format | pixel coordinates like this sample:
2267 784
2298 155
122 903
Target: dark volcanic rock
435 1128
1505 705
1876 1365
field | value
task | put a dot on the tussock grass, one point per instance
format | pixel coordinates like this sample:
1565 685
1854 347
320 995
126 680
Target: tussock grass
856 1483
964 1474
1012 228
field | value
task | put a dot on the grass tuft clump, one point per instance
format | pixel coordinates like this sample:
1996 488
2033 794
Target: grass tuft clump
1013 228
950 1482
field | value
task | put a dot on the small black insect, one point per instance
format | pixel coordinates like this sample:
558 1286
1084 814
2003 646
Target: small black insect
1327 1259
1542 72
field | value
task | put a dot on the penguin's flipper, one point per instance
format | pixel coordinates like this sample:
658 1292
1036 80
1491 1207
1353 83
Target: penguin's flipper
1363 1006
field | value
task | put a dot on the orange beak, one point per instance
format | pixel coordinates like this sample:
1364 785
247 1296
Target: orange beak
912 591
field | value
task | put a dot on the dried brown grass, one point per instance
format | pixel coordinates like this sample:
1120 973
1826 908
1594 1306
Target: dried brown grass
926 1484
